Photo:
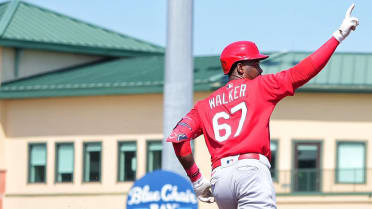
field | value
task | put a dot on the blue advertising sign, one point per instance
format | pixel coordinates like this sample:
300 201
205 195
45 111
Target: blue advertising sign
162 190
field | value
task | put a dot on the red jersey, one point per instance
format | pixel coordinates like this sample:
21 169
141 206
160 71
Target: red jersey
235 118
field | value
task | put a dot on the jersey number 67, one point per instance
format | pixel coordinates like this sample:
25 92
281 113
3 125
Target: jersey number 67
224 126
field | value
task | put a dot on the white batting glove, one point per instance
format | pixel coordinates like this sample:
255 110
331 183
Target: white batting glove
349 23
202 188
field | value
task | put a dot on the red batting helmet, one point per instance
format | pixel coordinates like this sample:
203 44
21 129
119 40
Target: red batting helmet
237 51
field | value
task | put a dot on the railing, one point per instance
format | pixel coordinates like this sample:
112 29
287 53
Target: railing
357 181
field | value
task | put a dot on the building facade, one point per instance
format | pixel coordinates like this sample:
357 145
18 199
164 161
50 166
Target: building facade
62 151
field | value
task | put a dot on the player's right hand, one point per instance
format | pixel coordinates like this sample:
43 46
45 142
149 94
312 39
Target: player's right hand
349 23
202 188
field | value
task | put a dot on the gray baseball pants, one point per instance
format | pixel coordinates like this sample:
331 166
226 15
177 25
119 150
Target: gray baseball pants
243 184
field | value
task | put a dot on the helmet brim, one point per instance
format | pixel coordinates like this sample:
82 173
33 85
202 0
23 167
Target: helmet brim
261 57
257 57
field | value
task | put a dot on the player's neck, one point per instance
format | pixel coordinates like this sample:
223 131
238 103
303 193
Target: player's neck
235 77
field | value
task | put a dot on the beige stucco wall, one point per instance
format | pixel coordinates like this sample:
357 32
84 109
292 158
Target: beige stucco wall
335 107
324 202
110 201
7 64
328 133
129 114
2 136
328 118
105 119
37 61
110 119
17 173
85 116
116 201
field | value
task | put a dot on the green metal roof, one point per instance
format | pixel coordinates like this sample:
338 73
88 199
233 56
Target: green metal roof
28 26
3 7
346 72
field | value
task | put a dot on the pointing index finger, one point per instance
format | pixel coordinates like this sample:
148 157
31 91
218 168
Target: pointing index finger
350 10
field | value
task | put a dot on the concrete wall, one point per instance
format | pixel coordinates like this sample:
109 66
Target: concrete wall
109 119
33 62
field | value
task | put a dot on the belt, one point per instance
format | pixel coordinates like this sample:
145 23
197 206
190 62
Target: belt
231 159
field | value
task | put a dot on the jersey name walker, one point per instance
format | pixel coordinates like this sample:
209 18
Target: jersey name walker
233 94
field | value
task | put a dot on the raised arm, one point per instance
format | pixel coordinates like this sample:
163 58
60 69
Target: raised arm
286 82
313 64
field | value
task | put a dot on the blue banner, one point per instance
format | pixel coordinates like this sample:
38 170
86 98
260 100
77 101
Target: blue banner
162 190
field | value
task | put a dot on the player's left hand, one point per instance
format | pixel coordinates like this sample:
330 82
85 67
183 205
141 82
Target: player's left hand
350 23
202 188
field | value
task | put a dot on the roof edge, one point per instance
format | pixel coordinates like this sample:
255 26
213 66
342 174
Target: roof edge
309 88
337 88
297 52
75 49
101 90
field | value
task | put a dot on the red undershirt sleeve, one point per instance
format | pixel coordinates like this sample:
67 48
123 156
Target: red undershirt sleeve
188 128
313 64
182 149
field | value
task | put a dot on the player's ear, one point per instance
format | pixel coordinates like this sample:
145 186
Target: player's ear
239 68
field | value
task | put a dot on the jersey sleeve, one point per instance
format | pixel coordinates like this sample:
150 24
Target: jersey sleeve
277 86
188 128
313 64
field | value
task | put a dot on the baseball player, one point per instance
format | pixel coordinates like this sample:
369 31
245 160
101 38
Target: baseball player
235 123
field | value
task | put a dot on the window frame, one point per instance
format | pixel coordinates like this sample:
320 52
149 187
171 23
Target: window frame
276 170
100 165
147 153
365 145
56 162
29 162
119 143
295 142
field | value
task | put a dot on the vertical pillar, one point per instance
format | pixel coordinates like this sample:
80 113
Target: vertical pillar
178 86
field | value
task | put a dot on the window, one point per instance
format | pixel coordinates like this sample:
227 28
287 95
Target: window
127 161
351 162
37 163
154 155
64 162
92 162
274 155
306 175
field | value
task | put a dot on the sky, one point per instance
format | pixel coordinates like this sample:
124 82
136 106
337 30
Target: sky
286 25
